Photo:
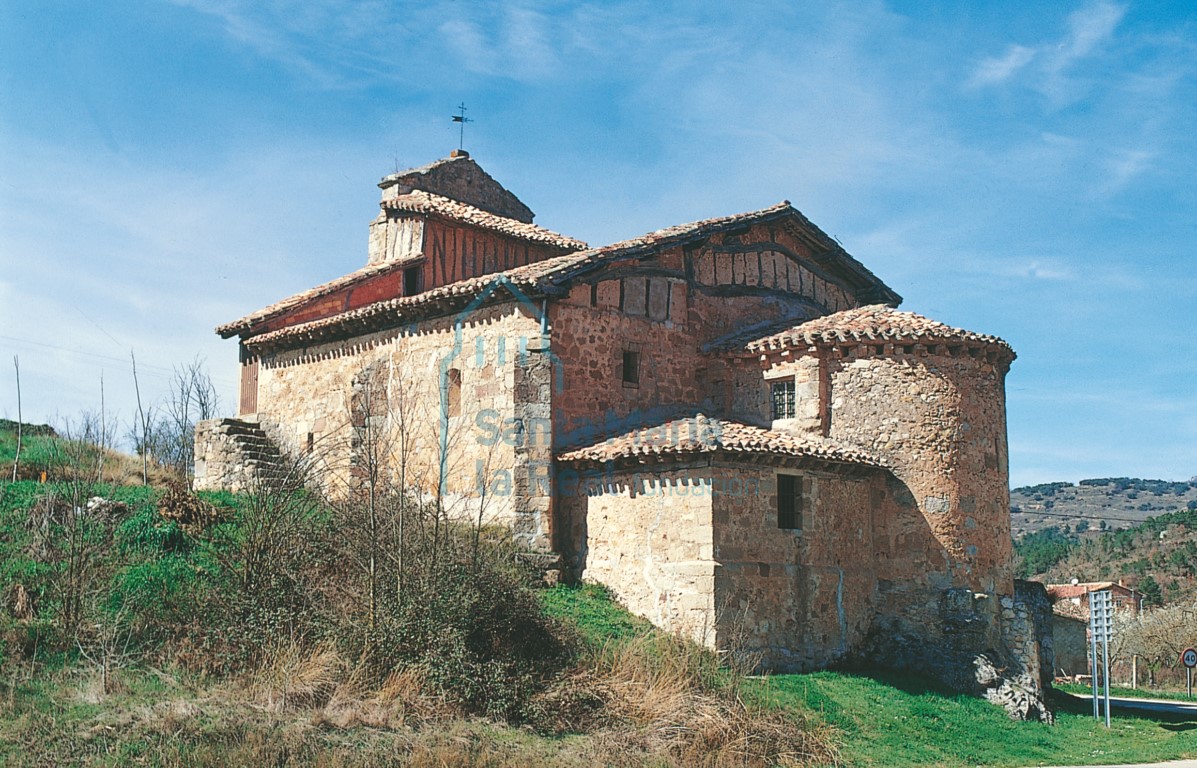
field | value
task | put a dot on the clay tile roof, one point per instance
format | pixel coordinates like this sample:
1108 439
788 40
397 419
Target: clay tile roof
536 278
228 329
873 323
419 201
700 434
1064 591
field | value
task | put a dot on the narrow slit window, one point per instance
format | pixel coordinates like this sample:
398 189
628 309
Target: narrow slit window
789 502
783 400
453 384
631 367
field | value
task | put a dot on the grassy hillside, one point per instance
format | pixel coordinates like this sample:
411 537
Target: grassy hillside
44 451
156 627
899 721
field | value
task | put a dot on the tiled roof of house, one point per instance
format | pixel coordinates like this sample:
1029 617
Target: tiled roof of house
419 201
537 278
1064 591
873 323
701 434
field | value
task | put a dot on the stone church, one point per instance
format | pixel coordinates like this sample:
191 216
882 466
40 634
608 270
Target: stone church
727 423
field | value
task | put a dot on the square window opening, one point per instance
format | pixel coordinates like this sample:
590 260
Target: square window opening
783 400
789 502
411 281
631 367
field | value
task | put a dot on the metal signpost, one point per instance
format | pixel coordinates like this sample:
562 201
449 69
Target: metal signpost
1101 628
1188 657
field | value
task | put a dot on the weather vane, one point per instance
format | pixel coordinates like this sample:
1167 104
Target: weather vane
463 120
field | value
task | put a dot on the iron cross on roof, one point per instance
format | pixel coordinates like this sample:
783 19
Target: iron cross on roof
463 120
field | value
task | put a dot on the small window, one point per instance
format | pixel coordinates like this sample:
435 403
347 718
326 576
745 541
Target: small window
789 502
411 281
783 400
631 367
594 294
311 443
453 382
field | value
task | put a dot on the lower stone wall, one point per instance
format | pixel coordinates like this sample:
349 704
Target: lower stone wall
795 599
648 539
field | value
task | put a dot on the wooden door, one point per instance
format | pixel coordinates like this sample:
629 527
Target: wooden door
249 385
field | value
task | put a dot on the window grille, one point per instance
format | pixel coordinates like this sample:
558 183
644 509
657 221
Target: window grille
783 400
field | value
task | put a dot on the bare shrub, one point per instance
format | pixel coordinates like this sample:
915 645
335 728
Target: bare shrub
180 504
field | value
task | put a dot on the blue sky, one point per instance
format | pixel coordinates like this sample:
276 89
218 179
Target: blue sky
1027 170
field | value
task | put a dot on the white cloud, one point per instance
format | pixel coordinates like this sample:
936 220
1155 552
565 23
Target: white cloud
998 69
1087 28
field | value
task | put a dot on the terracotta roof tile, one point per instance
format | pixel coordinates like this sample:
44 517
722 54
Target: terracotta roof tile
873 323
244 323
700 434
419 201
1063 591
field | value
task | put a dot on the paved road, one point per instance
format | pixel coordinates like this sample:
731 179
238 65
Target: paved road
1172 764
1150 705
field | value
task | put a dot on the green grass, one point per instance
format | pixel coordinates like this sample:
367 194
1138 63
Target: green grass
36 451
897 720
591 608
902 720
50 713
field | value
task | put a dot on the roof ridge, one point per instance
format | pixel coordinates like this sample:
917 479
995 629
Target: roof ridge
423 201
869 323
707 434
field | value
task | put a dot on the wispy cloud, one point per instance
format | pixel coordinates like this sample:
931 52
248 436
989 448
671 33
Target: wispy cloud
1088 30
998 69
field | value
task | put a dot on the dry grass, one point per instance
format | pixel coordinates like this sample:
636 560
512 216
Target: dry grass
294 676
666 697
403 700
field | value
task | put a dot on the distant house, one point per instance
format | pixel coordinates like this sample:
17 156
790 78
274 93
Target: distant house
1073 599
1070 643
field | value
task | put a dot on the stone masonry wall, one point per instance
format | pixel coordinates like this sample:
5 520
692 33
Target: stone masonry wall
219 461
648 538
310 394
459 178
666 310
939 421
801 599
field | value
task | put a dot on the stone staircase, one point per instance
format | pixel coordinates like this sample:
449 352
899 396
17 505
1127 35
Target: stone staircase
236 455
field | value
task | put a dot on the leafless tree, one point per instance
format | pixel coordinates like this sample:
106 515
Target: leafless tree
165 433
16 462
71 536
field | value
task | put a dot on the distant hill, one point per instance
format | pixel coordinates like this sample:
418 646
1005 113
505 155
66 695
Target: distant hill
1143 532
1104 502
